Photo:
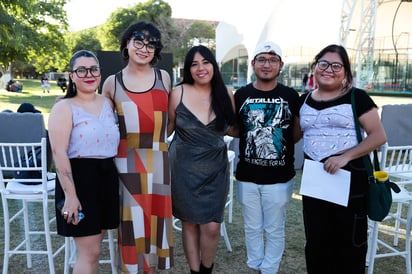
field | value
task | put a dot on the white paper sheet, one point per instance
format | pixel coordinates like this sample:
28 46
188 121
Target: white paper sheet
317 183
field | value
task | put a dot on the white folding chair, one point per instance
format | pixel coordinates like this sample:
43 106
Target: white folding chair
231 158
112 247
11 155
395 160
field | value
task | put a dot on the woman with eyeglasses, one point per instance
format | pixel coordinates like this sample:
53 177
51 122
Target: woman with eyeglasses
336 236
84 138
140 94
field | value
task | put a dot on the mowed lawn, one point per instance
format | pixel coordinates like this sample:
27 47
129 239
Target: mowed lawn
234 262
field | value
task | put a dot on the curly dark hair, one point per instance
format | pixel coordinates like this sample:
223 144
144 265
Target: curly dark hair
152 34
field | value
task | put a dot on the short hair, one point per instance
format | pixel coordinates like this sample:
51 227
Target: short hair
142 26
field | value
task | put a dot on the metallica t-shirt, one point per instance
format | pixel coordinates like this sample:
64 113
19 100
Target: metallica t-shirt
266 148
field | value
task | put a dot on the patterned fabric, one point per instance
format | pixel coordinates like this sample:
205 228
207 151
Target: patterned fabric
320 139
145 232
328 126
91 136
266 154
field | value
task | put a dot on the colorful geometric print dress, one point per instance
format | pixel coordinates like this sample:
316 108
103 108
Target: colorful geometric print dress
145 231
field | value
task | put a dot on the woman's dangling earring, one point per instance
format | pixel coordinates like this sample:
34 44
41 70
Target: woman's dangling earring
343 84
125 53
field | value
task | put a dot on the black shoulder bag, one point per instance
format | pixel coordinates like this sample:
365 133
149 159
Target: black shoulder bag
379 192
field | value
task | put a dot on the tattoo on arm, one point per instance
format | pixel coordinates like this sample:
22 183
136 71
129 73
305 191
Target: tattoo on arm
66 174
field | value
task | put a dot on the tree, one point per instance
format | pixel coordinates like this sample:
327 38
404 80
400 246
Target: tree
86 39
177 35
200 33
23 70
190 33
31 29
155 11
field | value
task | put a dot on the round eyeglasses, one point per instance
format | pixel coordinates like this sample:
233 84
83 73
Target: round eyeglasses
81 72
139 44
273 61
335 66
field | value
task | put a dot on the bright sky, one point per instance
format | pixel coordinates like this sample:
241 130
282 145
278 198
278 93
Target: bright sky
297 21
88 13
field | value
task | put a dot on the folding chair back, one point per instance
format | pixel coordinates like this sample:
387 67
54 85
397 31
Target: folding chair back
21 128
14 157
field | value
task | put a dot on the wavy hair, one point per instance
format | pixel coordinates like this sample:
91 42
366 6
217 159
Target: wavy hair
145 27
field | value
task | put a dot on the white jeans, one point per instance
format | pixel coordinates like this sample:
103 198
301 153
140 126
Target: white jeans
264 213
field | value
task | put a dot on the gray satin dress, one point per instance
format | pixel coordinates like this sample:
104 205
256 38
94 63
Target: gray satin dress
199 169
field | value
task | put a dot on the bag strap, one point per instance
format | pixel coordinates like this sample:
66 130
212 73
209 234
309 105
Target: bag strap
366 158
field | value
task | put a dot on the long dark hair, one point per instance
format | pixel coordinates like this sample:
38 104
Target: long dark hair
71 88
154 37
341 51
221 103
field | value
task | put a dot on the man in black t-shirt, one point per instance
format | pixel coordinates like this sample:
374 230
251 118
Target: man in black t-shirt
265 171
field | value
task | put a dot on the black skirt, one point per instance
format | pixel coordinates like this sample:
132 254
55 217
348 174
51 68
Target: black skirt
97 188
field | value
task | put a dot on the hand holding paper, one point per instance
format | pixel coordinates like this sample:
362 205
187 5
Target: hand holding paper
317 183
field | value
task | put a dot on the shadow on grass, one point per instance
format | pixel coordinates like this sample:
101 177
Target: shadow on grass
234 262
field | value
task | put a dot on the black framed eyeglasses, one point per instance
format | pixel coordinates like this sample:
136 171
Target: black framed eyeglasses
81 72
139 44
261 61
335 66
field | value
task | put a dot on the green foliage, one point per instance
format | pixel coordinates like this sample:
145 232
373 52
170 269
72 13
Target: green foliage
31 28
86 39
201 33
155 11
21 69
189 35
35 32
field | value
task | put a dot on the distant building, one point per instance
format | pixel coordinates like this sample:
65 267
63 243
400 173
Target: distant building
302 31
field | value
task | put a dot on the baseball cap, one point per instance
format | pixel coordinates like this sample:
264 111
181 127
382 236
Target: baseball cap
268 47
27 107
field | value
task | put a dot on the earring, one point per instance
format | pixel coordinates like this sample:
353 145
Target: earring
343 84
125 53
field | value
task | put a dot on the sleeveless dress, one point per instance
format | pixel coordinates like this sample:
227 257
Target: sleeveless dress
145 231
199 168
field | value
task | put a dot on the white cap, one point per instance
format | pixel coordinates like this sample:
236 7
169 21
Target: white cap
268 47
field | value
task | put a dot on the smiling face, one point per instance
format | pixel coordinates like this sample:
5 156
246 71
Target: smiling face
201 69
86 74
141 50
330 78
267 66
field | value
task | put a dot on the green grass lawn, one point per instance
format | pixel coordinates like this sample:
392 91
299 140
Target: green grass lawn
234 262
32 93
